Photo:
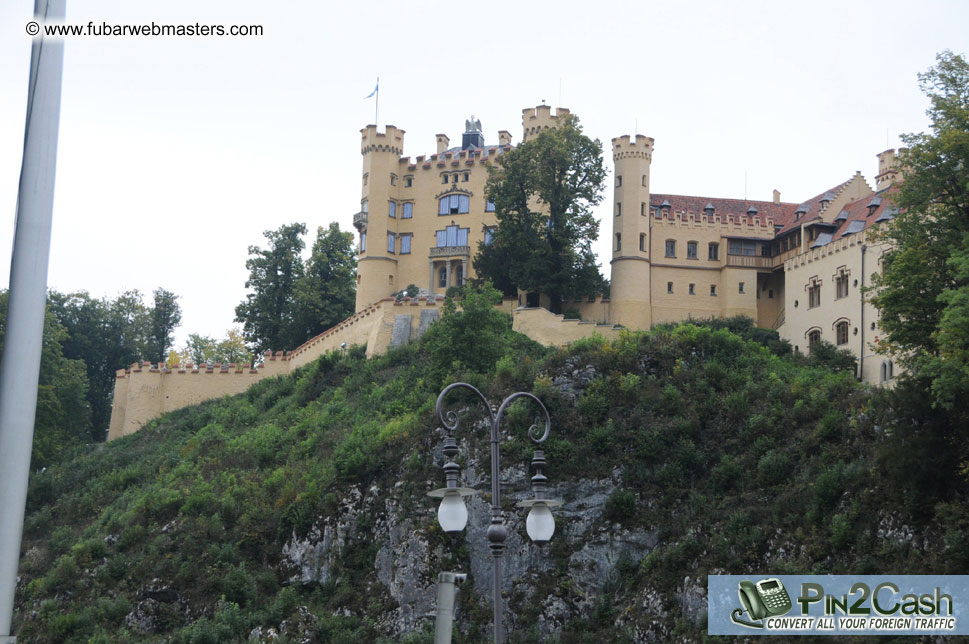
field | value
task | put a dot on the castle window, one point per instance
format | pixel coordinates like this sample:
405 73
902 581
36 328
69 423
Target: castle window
740 287
454 204
489 206
713 289
489 235
618 208
405 239
713 251
642 242
459 275
364 206
692 289
691 250
888 370
814 294
619 181
366 177
814 339
363 242
618 242
452 236
391 242
645 180
408 181
408 210
669 287
454 178
393 179
392 209
442 278
671 248
642 208
444 178
841 332
465 176
841 285
742 247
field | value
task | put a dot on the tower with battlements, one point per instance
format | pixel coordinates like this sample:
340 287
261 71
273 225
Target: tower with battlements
630 293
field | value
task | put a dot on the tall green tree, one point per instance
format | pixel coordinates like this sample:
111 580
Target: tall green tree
268 312
107 335
544 192
63 412
326 293
165 315
201 349
923 293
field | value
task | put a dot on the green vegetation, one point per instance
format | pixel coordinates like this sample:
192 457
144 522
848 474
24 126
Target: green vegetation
738 459
547 251
291 301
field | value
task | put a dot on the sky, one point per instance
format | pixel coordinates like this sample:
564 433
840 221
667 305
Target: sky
176 153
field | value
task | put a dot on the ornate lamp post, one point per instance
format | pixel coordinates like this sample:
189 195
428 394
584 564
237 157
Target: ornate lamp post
453 514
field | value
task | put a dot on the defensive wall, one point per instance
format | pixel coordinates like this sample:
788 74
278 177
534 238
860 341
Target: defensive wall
145 391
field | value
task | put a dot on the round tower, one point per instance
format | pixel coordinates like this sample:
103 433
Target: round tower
629 294
376 266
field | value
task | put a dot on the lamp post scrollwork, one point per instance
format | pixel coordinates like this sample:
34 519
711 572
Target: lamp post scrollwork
453 514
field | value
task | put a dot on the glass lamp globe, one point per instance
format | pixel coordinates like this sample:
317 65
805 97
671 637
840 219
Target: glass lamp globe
452 513
540 524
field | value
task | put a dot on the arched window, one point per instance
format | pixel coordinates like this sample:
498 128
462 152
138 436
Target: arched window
454 205
442 277
841 332
814 338
459 275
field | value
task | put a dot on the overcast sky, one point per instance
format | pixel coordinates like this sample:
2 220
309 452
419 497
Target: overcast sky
176 153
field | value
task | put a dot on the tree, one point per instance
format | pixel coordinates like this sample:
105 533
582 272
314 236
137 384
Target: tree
269 310
107 335
326 293
923 293
544 191
202 349
63 412
165 315
473 337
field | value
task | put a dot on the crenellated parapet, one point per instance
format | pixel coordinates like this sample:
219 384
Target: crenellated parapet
390 140
627 147
537 119
732 224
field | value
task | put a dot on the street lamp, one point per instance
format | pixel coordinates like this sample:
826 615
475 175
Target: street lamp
453 514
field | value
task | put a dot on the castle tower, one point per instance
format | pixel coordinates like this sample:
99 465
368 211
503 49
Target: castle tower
377 268
536 119
630 292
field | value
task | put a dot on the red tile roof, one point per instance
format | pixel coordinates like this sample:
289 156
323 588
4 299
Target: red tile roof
735 207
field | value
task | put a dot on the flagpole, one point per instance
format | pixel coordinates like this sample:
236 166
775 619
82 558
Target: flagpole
376 115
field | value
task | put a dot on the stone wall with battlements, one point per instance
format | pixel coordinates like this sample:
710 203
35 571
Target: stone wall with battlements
145 391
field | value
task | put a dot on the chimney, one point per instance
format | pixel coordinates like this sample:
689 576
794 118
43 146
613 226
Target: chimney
504 137
777 197
442 142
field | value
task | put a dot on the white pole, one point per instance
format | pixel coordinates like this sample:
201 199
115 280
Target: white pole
445 605
20 364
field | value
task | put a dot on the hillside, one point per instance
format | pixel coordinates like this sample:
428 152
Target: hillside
298 509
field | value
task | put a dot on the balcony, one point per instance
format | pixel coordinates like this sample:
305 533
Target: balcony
750 261
451 251
360 221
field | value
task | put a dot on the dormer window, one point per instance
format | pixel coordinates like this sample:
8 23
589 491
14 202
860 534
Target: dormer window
708 209
873 205
752 211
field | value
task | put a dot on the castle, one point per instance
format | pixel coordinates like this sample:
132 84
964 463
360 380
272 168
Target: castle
798 268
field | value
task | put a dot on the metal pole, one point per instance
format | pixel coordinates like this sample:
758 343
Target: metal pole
20 364
445 605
